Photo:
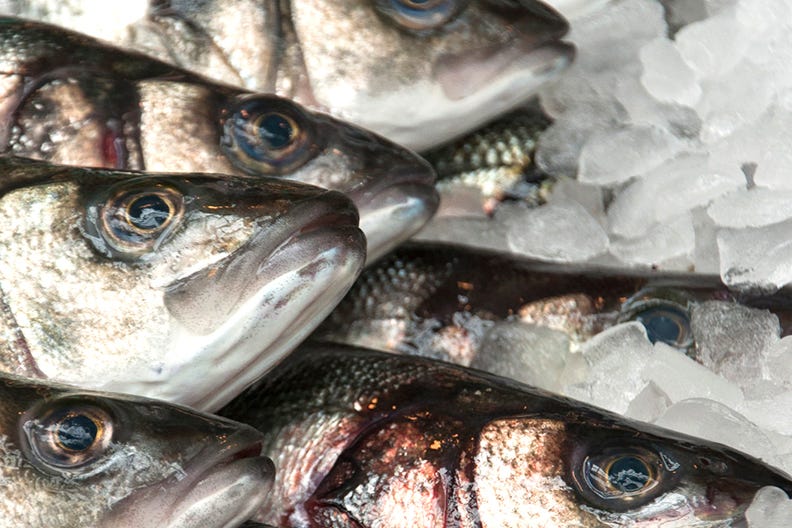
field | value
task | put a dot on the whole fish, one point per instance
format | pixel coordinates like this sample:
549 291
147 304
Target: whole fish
70 458
419 73
67 98
185 287
456 304
366 439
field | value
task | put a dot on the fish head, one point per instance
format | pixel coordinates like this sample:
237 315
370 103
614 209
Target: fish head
588 471
423 72
392 187
106 108
73 458
145 283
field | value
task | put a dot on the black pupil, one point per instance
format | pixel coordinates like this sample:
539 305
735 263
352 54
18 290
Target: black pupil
276 130
628 474
662 325
77 433
148 212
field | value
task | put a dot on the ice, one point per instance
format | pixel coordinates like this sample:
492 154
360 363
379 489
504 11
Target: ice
754 207
558 149
666 76
779 366
532 354
673 239
589 196
642 108
771 508
716 422
773 413
650 404
734 340
756 258
560 232
705 253
681 378
615 359
680 13
774 164
713 46
763 16
657 197
614 157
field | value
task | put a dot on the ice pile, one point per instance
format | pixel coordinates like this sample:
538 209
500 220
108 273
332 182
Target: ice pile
677 116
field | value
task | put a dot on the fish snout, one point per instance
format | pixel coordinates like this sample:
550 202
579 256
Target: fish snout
539 21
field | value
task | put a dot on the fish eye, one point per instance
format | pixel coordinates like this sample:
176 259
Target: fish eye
664 315
266 135
69 436
619 479
667 324
420 15
136 220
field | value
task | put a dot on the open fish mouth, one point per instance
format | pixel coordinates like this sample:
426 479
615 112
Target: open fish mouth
246 311
214 490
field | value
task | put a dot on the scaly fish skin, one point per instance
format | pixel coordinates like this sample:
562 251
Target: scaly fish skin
70 458
145 283
419 73
363 439
452 303
69 99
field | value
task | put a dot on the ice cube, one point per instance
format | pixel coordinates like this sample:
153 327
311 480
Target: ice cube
754 207
734 340
713 46
705 253
615 358
756 259
771 508
532 354
681 378
643 109
774 164
773 413
650 404
666 76
714 421
615 157
589 196
561 232
673 239
667 192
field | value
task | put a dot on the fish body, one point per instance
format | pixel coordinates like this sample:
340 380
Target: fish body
76 458
363 439
70 99
146 283
417 73
459 304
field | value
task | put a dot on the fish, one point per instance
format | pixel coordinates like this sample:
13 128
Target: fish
182 287
94 459
459 304
418 73
365 439
70 99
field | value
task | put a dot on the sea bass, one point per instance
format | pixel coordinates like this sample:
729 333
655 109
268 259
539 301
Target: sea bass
419 73
184 287
89 459
366 439
67 98
461 305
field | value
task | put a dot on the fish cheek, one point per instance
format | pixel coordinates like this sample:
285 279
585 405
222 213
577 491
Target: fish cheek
519 476
399 473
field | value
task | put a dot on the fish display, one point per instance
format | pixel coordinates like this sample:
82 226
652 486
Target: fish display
145 283
74 458
69 99
363 439
451 303
419 73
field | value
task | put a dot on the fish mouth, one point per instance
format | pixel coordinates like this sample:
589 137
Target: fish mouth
397 208
244 313
214 489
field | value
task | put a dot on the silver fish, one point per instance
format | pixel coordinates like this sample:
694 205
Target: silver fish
70 458
362 439
184 287
419 73
67 98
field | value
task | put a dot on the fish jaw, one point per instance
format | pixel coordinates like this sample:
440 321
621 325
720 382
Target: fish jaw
437 84
298 270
